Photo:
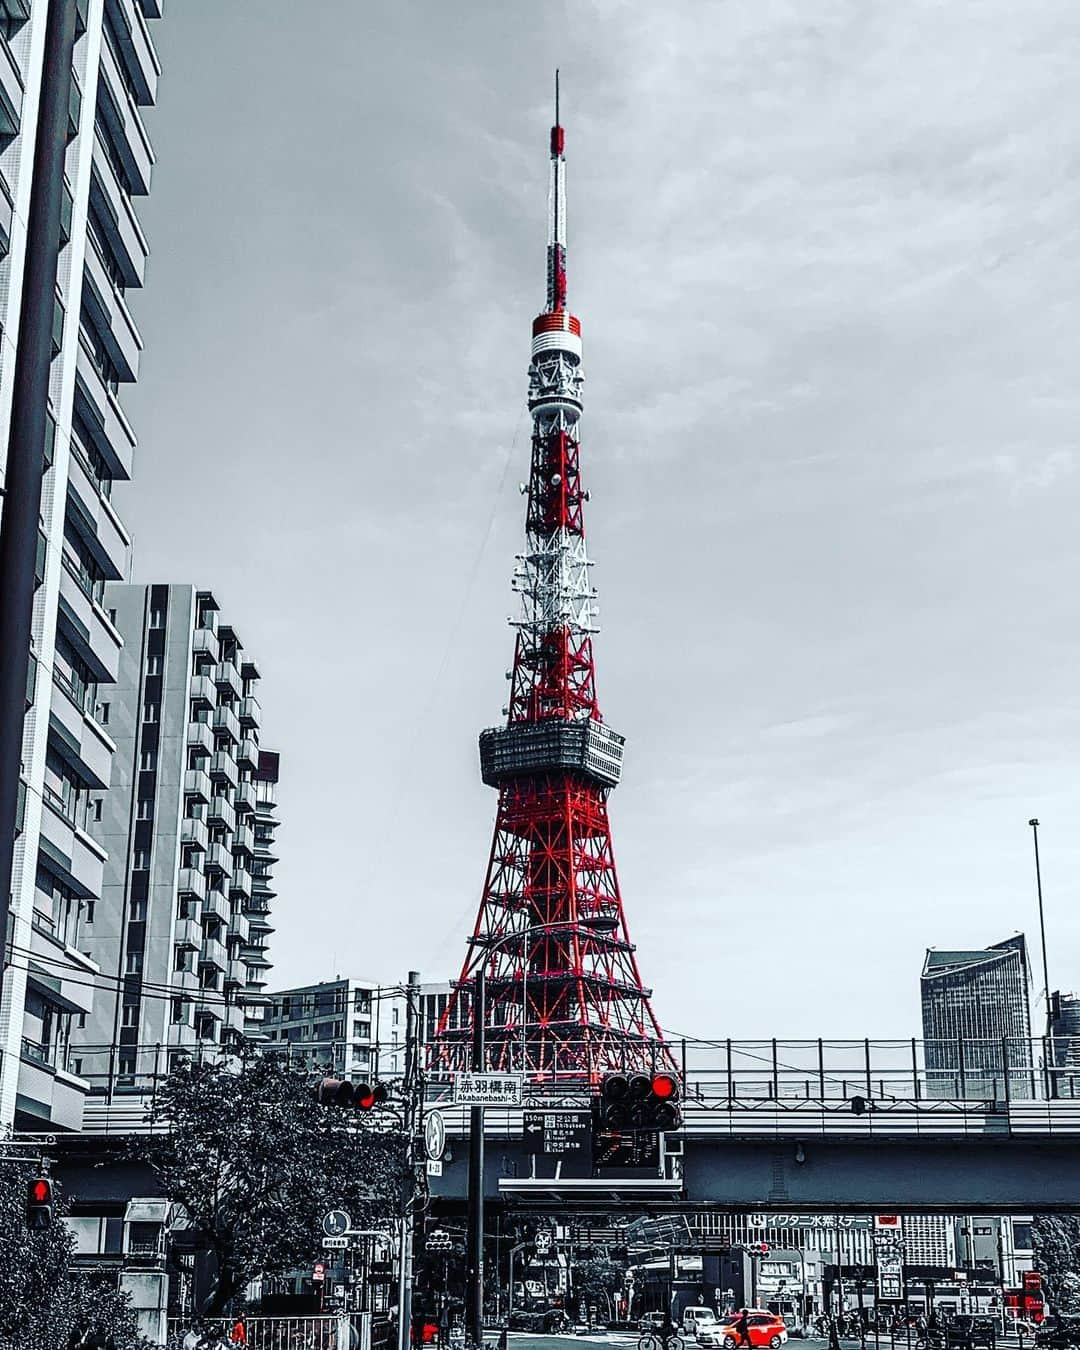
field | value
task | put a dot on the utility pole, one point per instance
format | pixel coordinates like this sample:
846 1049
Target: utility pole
413 1094
26 439
474 1290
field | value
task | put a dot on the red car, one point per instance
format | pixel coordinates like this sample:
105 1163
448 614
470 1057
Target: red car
763 1328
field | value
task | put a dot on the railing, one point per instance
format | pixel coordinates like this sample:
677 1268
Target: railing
340 1331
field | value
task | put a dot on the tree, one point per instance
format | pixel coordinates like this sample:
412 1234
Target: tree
255 1163
43 1299
1056 1242
598 1279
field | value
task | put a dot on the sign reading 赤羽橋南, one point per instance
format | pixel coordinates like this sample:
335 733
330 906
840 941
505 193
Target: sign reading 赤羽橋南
487 1089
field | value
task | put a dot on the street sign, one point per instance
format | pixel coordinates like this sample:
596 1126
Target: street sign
434 1167
319 1273
887 1221
487 1089
637 1149
335 1243
336 1222
434 1136
558 1132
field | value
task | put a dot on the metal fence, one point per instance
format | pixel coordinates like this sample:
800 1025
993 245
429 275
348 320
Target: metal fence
342 1331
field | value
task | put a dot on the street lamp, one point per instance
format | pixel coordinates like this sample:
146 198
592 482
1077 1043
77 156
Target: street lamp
591 923
1048 1043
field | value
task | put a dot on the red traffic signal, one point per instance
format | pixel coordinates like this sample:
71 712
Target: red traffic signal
39 1204
639 1101
340 1092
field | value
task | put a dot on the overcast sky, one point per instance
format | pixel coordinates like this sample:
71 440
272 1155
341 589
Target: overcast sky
825 254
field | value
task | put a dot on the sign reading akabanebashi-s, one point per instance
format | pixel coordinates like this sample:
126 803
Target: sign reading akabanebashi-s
487 1089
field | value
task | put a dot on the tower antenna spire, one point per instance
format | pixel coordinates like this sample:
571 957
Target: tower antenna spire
556 260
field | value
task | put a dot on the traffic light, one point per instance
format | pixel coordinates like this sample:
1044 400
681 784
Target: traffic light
639 1101
858 1106
340 1092
39 1204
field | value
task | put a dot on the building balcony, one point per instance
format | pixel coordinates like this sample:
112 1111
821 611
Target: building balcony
53 1097
256 958
116 218
197 784
187 933
99 408
218 860
227 722
212 954
240 884
216 906
223 769
86 626
248 755
11 93
201 691
212 1006
124 125
204 642
73 856
191 882
250 712
249 667
195 834
241 844
78 738
220 812
135 49
227 678
200 738
244 799
63 975
152 8
107 310
93 517
240 927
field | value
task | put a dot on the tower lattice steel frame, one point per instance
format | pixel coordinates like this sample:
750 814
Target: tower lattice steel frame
565 1000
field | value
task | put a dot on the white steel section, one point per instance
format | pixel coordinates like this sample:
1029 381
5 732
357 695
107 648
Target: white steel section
552 578
555 383
557 202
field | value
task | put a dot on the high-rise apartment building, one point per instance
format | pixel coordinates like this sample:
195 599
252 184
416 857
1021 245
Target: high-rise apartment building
929 1240
346 1028
67 745
977 1022
180 929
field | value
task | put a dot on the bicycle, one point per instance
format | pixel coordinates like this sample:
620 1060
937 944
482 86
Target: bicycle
652 1341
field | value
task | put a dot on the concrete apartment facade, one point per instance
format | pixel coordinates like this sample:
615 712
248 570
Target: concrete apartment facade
180 930
67 747
345 1028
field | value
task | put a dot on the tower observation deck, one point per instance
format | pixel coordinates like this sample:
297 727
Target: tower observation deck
565 1001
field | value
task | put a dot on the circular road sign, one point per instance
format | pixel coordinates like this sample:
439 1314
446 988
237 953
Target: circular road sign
434 1135
337 1223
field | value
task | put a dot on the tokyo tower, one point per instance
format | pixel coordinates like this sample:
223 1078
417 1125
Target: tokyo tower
565 1002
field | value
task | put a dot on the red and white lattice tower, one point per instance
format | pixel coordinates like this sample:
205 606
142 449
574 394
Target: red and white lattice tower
565 1001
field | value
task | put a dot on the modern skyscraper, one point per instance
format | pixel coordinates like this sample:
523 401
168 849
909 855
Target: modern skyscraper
180 929
67 749
976 1021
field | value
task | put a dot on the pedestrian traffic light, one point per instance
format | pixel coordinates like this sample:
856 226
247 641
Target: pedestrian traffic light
340 1092
639 1101
39 1204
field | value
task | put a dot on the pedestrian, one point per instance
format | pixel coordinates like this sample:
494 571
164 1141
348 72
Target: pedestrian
742 1328
239 1333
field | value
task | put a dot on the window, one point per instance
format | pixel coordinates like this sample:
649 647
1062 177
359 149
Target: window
90 910
1021 1236
112 617
151 711
141 859
153 665
130 1016
157 618
133 965
137 911
103 711
82 1023
178 1010
148 759
145 809
97 808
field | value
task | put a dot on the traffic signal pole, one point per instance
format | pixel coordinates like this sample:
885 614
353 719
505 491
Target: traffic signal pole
413 1090
24 469
474 1292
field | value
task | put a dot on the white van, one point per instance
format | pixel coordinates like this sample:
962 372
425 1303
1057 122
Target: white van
694 1319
